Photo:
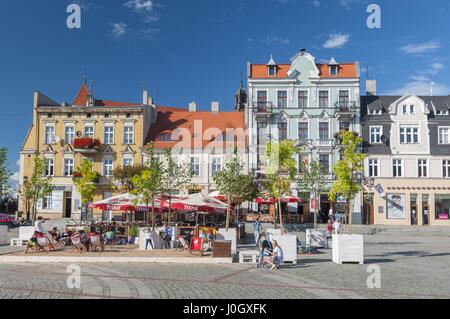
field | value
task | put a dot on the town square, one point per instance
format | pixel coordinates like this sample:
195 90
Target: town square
160 156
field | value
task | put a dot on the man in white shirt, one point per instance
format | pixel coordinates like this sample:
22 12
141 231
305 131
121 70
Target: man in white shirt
38 225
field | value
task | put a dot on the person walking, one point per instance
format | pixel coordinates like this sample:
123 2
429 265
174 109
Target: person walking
331 214
149 238
257 231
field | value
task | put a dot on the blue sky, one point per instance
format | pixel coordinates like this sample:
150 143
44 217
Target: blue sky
196 50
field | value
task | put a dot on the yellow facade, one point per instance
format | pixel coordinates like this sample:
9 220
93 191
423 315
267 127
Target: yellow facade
65 201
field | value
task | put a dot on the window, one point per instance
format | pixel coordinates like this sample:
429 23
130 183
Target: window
374 167
302 99
89 131
442 206
412 109
334 69
397 168
272 70
108 167
68 167
323 99
303 134
128 135
303 163
344 126
195 166
423 168
375 134
344 99
446 168
282 99
409 135
409 109
109 134
262 99
442 112
69 134
47 202
49 134
216 166
375 111
282 131
127 161
324 132
50 167
325 162
444 135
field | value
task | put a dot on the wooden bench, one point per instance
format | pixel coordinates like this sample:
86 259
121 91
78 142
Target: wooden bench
248 257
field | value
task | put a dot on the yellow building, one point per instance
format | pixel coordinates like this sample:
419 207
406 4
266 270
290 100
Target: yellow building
110 134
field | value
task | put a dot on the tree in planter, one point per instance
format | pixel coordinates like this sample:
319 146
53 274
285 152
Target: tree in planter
347 171
237 186
174 177
86 181
148 183
5 173
36 187
313 180
280 173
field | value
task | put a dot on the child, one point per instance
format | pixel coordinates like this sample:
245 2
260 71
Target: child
330 228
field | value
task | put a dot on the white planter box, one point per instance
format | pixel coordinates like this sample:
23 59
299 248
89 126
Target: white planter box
288 244
157 241
316 238
270 232
3 235
348 249
231 235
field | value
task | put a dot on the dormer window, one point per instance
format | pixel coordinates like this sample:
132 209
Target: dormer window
441 112
334 70
375 111
272 70
409 109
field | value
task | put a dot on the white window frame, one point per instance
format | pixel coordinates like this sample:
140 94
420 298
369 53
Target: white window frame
72 166
108 168
339 96
49 160
307 98
448 134
47 139
329 162
421 167
329 130
128 158
334 67
298 130
318 97
127 125
47 202
394 168
372 137
373 163
72 135
287 99
269 67
412 127
111 141
89 125
193 160
214 165
375 111
446 168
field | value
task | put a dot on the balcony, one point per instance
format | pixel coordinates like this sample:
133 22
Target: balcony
78 175
86 145
347 108
262 110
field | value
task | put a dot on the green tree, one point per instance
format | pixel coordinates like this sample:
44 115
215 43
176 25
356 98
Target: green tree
148 183
123 176
347 171
38 186
280 172
85 183
235 184
174 177
312 180
5 173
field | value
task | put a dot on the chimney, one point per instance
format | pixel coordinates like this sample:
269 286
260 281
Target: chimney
192 107
215 108
371 87
145 97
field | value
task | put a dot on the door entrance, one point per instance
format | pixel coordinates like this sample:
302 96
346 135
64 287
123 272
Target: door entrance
68 205
425 210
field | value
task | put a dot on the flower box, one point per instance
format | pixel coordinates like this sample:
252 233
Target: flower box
86 144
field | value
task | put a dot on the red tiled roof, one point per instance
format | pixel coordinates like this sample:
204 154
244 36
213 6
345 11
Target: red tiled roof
346 70
213 124
82 98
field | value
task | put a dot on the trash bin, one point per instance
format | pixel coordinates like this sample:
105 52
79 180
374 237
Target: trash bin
241 230
221 248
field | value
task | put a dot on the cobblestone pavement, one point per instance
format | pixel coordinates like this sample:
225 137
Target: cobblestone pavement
411 267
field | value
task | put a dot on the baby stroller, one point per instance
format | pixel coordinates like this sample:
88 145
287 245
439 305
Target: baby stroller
266 250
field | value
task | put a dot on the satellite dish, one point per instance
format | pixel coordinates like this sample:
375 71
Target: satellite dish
79 134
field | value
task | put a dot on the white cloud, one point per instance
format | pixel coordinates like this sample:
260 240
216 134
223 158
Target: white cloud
336 40
435 68
347 3
18 162
421 88
140 5
119 29
316 3
15 177
418 48
272 39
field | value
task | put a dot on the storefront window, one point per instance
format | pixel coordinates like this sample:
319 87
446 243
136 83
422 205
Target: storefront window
442 207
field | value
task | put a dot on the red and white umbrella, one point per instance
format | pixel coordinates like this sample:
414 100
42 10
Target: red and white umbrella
286 199
123 203
199 202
